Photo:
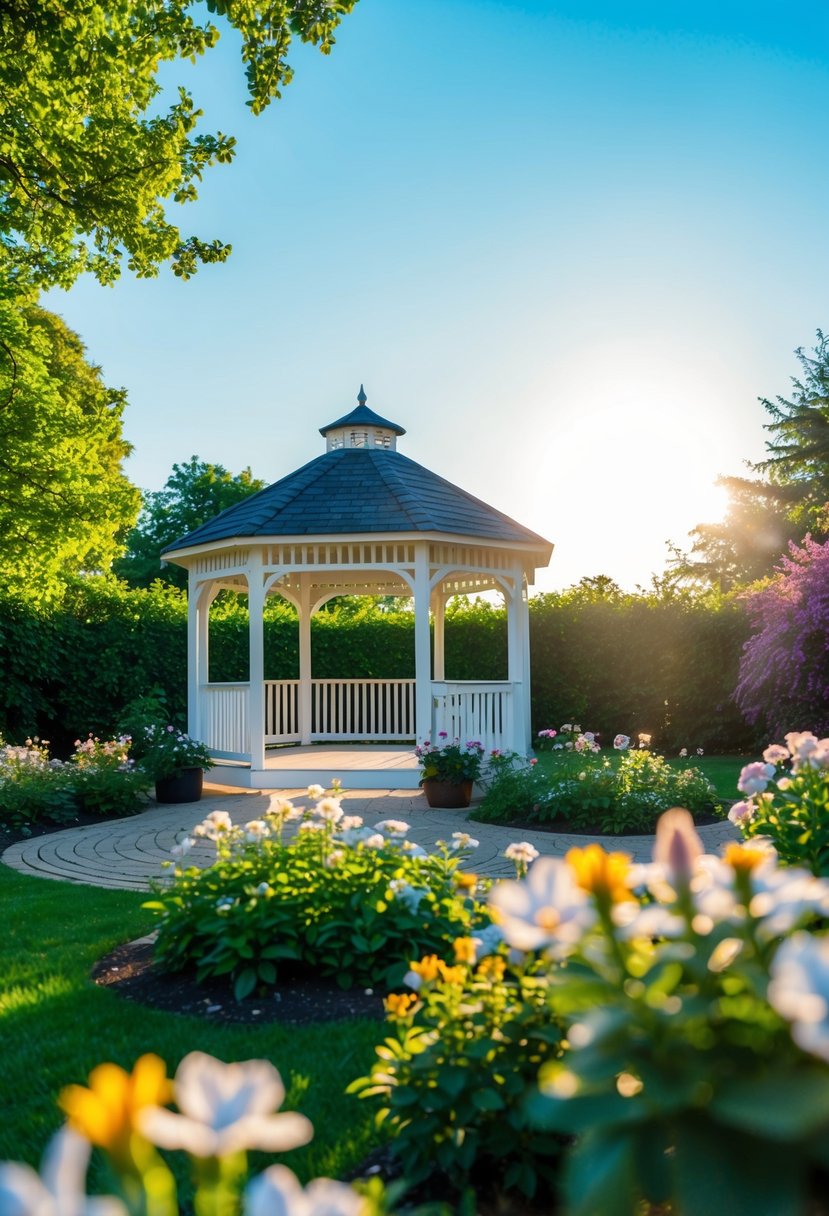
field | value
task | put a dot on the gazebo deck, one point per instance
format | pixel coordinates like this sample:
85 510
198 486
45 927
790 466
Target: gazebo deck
358 766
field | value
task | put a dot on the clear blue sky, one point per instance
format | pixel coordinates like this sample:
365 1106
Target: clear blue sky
566 245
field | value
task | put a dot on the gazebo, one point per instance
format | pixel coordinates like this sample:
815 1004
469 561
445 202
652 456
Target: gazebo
361 519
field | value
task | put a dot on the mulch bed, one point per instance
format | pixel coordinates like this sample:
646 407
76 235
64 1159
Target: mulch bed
11 835
128 971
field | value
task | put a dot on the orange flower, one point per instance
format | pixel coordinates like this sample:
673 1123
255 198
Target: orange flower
106 1112
601 874
464 948
492 968
427 968
451 975
743 859
399 1004
467 882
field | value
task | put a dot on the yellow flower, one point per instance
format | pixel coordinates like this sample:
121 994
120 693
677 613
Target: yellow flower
467 882
465 949
399 1004
427 968
601 874
492 968
743 859
451 975
106 1112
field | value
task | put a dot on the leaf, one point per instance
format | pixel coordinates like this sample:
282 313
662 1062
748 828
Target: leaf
599 1176
244 984
738 1174
782 1106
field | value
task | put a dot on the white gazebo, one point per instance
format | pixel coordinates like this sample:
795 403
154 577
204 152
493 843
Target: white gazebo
362 519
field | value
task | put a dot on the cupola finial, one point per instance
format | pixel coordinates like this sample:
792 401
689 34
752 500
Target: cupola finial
361 396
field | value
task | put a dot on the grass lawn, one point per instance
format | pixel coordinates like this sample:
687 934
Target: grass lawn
722 771
56 1025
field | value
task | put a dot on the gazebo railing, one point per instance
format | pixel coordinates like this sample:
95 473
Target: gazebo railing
472 710
224 719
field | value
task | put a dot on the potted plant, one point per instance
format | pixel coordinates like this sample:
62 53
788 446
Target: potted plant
449 770
175 762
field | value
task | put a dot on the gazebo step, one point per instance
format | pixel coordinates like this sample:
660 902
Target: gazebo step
241 776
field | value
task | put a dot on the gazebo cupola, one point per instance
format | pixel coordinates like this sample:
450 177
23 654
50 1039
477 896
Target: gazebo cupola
362 428
361 519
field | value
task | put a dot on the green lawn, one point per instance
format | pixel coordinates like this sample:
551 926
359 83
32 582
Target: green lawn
56 1025
723 771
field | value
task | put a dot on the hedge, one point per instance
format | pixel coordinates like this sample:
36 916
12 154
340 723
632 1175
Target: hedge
633 665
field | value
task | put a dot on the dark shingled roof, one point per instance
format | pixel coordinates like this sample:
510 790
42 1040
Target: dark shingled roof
361 415
362 490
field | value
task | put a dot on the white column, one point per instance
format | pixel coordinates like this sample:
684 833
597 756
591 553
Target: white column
423 659
256 677
518 672
193 658
439 614
525 631
304 660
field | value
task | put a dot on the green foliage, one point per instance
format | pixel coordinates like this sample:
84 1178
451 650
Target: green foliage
351 904
787 801
100 779
596 793
166 752
454 1078
92 147
452 762
64 501
193 493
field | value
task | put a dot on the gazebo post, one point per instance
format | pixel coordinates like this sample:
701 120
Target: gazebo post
439 616
518 656
193 658
304 600
256 677
423 657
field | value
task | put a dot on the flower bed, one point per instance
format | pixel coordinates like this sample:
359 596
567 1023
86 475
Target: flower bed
338 898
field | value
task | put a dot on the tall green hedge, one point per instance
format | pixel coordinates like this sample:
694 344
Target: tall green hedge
631 665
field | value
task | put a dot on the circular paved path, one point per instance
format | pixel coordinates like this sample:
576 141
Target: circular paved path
128 853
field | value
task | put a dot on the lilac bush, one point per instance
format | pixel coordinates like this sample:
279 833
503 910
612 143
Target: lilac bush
784 670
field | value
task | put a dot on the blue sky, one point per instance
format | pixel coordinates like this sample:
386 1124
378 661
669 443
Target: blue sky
566 245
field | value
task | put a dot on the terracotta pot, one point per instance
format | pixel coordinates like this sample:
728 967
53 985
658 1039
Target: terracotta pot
450 795
185 786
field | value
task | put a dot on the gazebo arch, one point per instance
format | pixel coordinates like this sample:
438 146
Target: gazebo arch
362 519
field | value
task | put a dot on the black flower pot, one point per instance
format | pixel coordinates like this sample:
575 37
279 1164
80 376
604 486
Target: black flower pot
185 786
451 795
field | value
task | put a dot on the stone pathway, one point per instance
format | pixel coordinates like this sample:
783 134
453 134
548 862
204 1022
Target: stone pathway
128 853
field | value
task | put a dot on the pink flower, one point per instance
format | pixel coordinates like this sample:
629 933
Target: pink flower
755 777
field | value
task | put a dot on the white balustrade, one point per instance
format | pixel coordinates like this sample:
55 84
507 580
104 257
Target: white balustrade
282 711
224 720
362 709
470 710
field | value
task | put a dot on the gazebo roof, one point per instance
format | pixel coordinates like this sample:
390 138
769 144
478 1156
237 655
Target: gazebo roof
362 416
362 491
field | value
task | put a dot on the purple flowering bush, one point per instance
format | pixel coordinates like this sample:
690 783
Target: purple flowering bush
784 671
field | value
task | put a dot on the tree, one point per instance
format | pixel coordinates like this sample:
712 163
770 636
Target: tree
745 546
784 671
799 450
193 493
64 502
88 153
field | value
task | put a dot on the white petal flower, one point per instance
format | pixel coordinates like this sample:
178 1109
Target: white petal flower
783 896
349 822
225 1108
329 809
462 840
741 812
375 841
414 850
799 990
256 830
521 850
547 909
775 754
60 1188
183 847
393 827
277 1192
214 826
315 791
755 777
487 941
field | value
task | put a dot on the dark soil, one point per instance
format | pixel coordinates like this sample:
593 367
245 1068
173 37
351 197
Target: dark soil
45 827
562 824
129 972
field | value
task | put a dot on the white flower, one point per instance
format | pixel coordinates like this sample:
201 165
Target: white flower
621 742
783 896
566 727
353 836
315 791
375 841
329 809
59 1189
183 847
349 822
225 1108
224 902
683 751
462 840
256 830
644 740
409 896
214 826
280 808
521 851
741 813
799 990
393 827
334 859
775 754
264 888
547 909
277 1192
310 826
487 940
414 850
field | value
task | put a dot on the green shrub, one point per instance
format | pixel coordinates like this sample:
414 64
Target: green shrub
105 780
595 793
454 1077
337 899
